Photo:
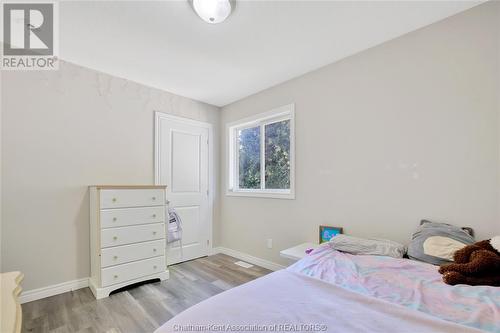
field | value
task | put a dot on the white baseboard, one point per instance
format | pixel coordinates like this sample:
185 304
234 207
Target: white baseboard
55 289
248 258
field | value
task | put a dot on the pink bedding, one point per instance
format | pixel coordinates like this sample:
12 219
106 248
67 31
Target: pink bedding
334 292
414 285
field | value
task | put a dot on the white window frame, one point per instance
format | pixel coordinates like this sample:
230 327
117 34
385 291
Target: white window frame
286 112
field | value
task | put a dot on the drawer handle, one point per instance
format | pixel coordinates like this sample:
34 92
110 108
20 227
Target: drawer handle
115 257
114 219
116 276
115 238
154 198
154 267
114 199
154 250
154 215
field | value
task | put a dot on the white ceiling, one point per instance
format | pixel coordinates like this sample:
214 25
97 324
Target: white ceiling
165 45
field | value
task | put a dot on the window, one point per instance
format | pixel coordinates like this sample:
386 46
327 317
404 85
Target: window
261 155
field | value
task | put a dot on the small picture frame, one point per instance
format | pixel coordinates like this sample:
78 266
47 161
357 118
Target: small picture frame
327 232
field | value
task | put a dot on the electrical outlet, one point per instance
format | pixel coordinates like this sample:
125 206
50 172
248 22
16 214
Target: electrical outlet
269 243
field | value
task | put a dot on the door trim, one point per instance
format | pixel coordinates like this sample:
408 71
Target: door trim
211 167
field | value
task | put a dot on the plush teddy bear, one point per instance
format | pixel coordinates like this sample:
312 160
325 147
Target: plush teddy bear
475 264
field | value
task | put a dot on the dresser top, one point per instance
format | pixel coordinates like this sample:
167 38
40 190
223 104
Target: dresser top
125 187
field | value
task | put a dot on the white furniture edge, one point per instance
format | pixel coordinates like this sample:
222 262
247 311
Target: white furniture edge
288 253
288 256
248 258
100 293
11 314
284 255
52 290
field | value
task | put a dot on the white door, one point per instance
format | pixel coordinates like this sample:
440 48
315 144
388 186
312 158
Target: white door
182 163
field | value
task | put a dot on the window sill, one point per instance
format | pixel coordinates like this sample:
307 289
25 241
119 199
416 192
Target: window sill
258 194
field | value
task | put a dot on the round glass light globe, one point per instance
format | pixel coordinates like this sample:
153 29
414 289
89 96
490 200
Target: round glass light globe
212 11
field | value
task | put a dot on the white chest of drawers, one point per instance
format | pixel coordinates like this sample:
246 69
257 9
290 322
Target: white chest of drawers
127 236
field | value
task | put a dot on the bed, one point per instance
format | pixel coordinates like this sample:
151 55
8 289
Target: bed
331 291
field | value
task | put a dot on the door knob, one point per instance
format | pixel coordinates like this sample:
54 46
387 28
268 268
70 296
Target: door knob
168 202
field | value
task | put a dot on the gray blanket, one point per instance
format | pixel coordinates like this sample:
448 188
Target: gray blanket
368 246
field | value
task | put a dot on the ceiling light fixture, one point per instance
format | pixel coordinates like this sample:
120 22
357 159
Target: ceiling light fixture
213 11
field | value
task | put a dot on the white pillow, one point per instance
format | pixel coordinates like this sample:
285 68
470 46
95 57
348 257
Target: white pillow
442 247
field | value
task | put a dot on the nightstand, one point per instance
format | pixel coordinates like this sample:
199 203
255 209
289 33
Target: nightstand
297 252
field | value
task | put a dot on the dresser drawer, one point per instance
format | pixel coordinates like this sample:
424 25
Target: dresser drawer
129 216
126 253
134 234
131 198
133 270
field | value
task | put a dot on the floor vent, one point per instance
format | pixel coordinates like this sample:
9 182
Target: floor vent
243 264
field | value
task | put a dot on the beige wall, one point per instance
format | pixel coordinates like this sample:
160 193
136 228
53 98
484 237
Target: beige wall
404 131
63 130
401 132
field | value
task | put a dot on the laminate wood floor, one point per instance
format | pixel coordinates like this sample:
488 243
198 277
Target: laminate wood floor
140 309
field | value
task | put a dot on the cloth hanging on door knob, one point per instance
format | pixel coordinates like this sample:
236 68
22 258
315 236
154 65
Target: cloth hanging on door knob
174 229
